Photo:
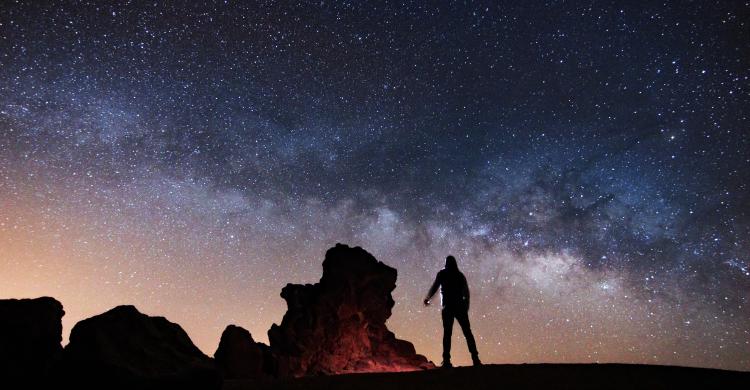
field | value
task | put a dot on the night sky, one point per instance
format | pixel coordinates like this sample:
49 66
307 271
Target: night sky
586 162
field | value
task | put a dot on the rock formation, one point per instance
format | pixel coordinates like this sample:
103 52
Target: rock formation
240 357
30 336
338 325
335 326
133 350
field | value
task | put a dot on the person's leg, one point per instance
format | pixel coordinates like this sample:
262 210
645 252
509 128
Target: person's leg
463 320
447 333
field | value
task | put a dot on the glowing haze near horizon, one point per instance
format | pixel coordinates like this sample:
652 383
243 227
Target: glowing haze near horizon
586 164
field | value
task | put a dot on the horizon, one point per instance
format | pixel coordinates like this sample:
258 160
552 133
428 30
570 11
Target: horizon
586 165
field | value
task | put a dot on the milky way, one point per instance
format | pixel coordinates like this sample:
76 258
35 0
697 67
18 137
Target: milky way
587 163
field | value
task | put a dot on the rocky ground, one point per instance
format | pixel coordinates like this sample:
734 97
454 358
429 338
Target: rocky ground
521 376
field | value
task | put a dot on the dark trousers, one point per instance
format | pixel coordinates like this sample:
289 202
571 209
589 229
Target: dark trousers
462 316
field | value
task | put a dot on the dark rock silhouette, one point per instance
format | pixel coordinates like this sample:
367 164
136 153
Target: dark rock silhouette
132 350
338 325
30 336
240 357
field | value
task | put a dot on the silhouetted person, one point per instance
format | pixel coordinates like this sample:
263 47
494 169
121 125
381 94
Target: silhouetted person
454 292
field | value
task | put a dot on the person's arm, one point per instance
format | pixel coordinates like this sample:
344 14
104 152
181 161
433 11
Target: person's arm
433 290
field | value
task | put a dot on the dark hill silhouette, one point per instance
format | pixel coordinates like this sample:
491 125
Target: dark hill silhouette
133 350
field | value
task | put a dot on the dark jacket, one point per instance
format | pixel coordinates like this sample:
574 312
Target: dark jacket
454 290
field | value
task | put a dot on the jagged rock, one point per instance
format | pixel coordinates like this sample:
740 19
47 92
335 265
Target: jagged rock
132 350
30 336
240 357
338 325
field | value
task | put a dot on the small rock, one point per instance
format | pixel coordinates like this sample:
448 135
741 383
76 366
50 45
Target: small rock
240 357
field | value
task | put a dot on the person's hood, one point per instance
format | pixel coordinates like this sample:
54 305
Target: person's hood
450 264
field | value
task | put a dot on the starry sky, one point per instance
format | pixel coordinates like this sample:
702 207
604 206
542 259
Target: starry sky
586 162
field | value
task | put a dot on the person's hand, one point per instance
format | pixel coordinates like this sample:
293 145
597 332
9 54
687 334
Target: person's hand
427 302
